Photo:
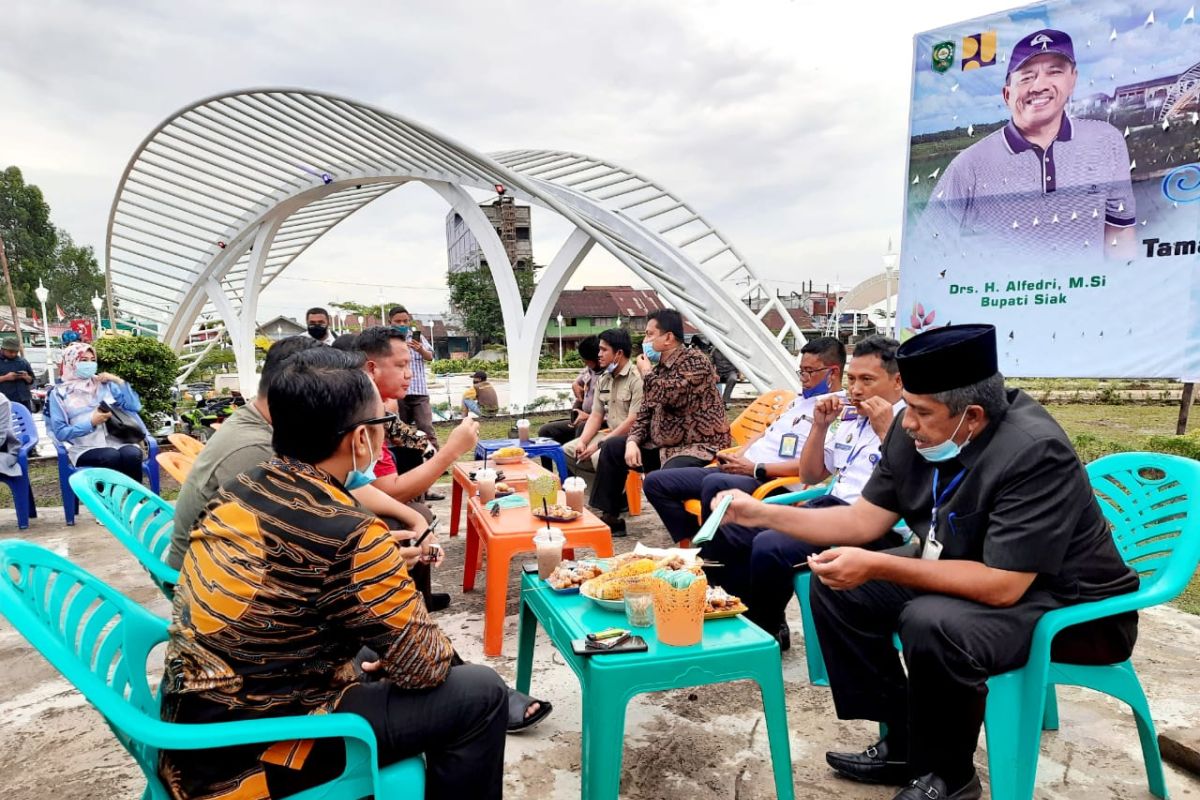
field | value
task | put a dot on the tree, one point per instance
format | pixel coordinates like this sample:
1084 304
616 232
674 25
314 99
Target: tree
366 309
37 250
148 364
473 297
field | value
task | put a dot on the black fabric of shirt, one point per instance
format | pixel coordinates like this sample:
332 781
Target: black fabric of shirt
16 390
1024 504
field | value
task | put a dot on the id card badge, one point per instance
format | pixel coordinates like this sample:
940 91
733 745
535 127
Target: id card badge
788 445
932 550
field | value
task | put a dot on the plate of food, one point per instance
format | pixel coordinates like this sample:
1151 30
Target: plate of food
504 490
508 455
570 575
557 513
608 589
719 604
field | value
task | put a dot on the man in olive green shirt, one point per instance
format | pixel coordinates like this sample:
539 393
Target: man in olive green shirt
618 398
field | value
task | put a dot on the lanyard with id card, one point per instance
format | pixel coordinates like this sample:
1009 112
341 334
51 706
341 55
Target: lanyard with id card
932 550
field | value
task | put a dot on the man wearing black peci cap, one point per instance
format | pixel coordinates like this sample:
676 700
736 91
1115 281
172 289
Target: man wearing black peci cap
1009 529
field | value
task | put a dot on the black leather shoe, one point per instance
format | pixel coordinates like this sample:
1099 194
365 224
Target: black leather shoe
615 524
870 766
437 601
784 637
931 787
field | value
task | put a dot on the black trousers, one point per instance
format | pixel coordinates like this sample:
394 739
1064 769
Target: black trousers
126 459
608 490
561 430
460 727
667 490
730 380
951 647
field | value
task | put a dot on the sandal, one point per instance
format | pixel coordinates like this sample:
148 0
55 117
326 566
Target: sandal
518 704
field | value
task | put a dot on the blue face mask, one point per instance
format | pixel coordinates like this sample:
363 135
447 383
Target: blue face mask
401 329
360 478
946 450
611 368
652 355
819 389
85 370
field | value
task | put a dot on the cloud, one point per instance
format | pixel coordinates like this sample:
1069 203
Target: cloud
784 123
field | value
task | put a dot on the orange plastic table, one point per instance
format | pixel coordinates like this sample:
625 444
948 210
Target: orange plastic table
515 475
503 537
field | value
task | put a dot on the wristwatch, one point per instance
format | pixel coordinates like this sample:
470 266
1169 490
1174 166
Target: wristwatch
760 472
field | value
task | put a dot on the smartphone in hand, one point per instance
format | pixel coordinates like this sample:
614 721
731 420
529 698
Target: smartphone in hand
105 407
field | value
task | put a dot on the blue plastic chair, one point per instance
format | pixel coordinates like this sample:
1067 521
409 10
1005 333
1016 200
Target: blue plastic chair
66 469
100 640
1152 502
138 518
25 429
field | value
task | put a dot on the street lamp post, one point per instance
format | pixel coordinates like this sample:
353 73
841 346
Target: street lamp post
43 294
560 322
890 261
96 304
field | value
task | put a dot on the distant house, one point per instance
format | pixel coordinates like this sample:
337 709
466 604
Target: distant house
281 328
594 309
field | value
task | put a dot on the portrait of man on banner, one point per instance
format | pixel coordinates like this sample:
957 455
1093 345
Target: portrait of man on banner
1045 186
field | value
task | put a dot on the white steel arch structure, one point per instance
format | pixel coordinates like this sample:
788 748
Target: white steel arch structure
221 197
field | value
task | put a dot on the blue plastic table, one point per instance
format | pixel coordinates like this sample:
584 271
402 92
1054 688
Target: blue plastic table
732 649
536 446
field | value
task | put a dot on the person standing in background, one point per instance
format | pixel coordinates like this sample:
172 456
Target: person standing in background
316 320
15 373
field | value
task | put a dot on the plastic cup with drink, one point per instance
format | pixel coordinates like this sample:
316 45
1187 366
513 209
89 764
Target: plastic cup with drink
548 542
485 479
574 487
523 430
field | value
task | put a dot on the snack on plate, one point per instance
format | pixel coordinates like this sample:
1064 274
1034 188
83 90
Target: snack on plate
611 585
570 574
717 599
509 452
503 488
556 512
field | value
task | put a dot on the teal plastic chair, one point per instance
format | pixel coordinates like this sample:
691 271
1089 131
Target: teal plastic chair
1152 502
817 675
100 640
135 515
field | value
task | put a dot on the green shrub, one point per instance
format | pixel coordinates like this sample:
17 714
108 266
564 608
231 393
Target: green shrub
1186 446
148 364
1089 447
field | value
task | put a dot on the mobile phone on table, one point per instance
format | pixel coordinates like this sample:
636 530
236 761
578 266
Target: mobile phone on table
530 567
631 644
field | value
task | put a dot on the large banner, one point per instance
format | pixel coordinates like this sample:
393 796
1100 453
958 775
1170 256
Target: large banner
1053 187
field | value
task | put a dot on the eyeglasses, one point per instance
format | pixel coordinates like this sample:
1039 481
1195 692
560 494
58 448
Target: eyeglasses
390 420
808 372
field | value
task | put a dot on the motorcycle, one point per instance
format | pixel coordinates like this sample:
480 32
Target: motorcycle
202 420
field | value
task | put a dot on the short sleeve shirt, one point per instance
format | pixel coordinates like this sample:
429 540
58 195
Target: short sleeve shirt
851 453
796 419
619 394
16 390
1023 503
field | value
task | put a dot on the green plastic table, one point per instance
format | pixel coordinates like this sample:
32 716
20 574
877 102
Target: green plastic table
732 649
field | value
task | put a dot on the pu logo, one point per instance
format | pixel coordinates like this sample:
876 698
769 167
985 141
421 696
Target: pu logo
1041 39
979 50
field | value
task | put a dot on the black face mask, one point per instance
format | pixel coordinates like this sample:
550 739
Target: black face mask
318 332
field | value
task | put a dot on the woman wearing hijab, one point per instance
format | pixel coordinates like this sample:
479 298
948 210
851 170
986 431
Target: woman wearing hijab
77 421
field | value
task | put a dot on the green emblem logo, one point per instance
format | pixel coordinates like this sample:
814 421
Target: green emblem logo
943 56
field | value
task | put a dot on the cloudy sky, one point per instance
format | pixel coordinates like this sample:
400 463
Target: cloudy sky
783 121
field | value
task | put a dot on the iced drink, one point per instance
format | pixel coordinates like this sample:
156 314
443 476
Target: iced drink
486 480
549 544
523 430
574 488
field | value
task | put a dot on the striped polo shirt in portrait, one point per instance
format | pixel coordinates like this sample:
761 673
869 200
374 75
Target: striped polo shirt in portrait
1005 195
